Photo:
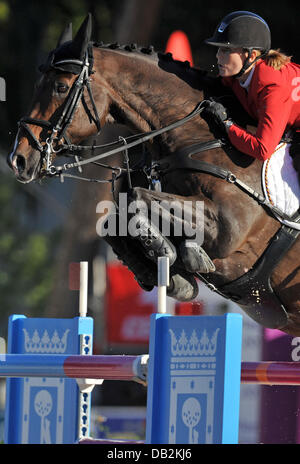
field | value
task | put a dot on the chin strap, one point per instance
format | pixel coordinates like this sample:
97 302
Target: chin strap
247 62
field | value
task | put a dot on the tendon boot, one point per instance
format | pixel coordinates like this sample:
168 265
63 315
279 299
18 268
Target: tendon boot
152 240
145 271
183 287
194 258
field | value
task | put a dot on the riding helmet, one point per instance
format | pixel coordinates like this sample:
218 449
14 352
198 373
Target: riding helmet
242 29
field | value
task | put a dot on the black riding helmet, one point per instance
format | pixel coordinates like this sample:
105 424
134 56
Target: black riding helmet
242 29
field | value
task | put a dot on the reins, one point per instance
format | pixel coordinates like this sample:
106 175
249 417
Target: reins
59 133
142 138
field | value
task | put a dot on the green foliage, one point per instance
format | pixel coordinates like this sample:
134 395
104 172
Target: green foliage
4 11
26 264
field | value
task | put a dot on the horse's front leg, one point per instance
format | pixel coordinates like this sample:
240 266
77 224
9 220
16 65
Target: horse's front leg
140 255
180 218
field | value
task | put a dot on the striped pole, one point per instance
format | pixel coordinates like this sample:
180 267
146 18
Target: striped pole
70 366
271 373
115 367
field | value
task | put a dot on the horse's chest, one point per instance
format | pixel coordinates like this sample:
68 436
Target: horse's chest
182 183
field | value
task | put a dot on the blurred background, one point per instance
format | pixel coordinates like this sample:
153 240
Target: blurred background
47 225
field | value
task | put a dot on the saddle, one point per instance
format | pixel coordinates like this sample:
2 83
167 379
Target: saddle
253 291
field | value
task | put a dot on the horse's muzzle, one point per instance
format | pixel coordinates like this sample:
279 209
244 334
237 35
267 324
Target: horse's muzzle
24 168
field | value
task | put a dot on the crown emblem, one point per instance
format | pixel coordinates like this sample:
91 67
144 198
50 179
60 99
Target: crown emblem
45 344
194 346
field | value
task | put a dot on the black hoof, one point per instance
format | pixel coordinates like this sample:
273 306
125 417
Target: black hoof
144 286
183 287
195 259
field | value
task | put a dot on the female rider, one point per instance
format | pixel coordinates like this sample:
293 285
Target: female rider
265 81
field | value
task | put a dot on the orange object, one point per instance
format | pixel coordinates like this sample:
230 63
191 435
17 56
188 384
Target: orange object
178 44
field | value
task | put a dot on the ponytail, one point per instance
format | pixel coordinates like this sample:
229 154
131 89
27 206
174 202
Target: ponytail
276 59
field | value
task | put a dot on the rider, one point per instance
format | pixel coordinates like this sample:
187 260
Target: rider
265 82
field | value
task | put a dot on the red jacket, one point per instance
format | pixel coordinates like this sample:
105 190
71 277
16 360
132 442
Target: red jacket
273 99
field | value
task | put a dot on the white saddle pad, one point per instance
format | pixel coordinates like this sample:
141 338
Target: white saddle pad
280 182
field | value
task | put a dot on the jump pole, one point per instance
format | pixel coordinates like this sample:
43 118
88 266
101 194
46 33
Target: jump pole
105 367
271 373
83 289
193 363
163 281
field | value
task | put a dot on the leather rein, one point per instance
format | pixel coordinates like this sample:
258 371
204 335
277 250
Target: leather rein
178 160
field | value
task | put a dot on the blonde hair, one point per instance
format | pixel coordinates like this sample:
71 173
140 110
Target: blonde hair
276 59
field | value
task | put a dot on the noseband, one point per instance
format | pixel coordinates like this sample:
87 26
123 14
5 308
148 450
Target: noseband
52 146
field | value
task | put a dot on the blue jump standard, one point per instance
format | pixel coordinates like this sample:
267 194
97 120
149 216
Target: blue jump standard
194 375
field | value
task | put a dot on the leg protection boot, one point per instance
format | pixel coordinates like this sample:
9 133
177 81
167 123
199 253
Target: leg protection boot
152 240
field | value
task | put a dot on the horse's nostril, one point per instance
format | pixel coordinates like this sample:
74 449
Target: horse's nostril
20 163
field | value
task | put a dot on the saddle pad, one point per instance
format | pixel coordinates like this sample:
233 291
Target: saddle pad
280 182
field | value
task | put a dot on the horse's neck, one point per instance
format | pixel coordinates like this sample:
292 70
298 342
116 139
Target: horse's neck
148 97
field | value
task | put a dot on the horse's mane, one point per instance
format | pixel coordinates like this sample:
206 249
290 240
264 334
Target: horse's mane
197 79
133 48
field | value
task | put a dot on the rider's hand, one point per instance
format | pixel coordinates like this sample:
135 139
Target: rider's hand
215 114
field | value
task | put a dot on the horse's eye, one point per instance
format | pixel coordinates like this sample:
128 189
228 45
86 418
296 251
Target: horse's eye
61 88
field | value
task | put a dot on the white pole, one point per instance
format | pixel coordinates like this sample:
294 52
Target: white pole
162 283
83 289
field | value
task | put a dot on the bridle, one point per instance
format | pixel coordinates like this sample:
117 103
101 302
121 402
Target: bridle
58 141
58 131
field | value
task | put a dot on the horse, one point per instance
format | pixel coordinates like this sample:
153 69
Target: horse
245 253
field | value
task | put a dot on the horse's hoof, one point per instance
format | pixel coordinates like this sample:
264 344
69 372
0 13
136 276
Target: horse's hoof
144 286
195 259
153 242
183 287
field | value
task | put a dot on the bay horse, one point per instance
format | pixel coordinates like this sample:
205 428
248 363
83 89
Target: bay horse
247 255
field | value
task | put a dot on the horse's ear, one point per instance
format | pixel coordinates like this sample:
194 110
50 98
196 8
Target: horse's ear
65 36
83 37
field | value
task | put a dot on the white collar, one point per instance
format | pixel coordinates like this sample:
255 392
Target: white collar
246 84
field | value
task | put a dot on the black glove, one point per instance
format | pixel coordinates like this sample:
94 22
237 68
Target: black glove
215 114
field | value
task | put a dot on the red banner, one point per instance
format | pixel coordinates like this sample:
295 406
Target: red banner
128 307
